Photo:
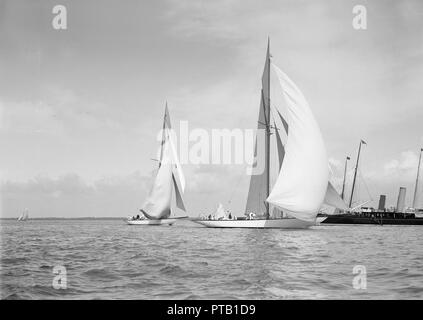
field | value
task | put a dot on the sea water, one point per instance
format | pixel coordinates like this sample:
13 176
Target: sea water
108 259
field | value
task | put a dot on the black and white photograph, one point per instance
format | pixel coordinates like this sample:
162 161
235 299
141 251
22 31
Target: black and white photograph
225 150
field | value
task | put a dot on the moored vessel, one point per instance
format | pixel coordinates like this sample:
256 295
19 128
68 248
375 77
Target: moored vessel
398 215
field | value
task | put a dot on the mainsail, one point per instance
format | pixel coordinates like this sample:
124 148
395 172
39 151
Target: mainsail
260 178
167 136
158 202
303 179
257 192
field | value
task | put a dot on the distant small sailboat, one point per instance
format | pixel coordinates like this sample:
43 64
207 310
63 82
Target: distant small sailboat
418 209
302 184
157 207
24 215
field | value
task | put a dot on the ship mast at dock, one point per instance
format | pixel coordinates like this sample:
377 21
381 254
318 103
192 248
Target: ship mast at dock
417 181
345 175
355 171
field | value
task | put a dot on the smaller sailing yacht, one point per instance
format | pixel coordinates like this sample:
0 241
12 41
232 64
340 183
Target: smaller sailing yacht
24 216
157 207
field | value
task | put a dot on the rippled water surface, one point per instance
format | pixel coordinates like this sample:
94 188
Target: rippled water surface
107 259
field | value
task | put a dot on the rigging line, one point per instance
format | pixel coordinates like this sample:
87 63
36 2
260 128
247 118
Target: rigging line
272 114
365 184
282 119
271 127
234 189
324 210
264 109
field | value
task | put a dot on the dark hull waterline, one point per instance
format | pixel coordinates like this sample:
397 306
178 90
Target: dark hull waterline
353 219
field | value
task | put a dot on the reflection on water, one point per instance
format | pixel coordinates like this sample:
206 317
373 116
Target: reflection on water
108 259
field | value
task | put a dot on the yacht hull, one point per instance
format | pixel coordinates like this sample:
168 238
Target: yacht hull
288 223
148 222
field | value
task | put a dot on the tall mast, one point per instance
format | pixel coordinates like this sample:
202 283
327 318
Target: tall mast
417 181
259 189
345 175
166 125
355 172
267 115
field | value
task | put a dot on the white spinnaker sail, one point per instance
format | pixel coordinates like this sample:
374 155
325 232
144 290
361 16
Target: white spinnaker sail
158 202
332 198
303 179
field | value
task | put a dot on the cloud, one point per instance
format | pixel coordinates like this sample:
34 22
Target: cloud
404 167
215 178
120 195
59 111
197 18
335 166
29 117
70 196
70 184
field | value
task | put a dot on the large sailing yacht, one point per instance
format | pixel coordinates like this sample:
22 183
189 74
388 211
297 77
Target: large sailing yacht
157 207
302 184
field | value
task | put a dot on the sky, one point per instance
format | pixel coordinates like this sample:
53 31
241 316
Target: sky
80 108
